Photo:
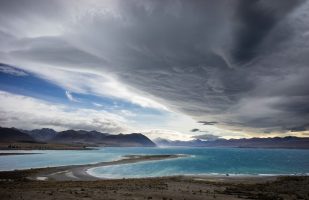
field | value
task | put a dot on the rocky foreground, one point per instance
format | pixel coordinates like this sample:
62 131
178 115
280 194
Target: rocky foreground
169 188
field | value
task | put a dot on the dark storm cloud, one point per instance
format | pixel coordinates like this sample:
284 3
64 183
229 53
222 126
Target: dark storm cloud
300 128
257 19
239 63
207 123
56 51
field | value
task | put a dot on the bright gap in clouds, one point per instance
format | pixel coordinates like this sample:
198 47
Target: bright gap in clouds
52 105
30 113
84 82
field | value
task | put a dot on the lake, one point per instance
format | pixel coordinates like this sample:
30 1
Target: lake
234 161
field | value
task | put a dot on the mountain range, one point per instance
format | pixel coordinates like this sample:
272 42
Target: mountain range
274 142
96 138
14 135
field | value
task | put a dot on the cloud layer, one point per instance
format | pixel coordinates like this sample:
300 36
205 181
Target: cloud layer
29 113
243 64
208 137
11 70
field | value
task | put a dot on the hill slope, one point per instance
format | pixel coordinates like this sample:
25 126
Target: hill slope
94 137
41 135
14 135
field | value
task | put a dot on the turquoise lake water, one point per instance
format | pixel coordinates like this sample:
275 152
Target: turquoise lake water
238 161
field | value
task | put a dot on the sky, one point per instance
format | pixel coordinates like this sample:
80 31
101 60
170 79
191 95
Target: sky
174 69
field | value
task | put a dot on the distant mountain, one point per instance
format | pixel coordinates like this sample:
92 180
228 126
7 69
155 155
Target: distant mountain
190 143
80 136
276 142
133 139
41 135
75 137
94 137
14 135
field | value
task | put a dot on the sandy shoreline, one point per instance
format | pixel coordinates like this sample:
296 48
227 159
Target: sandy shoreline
80 172
12 154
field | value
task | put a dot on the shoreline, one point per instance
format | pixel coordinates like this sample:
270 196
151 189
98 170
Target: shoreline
16 154
80 172
206 176
26 146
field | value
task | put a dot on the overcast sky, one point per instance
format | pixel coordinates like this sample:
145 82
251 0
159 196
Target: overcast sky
228 68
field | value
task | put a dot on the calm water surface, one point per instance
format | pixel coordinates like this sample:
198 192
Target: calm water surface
201 161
